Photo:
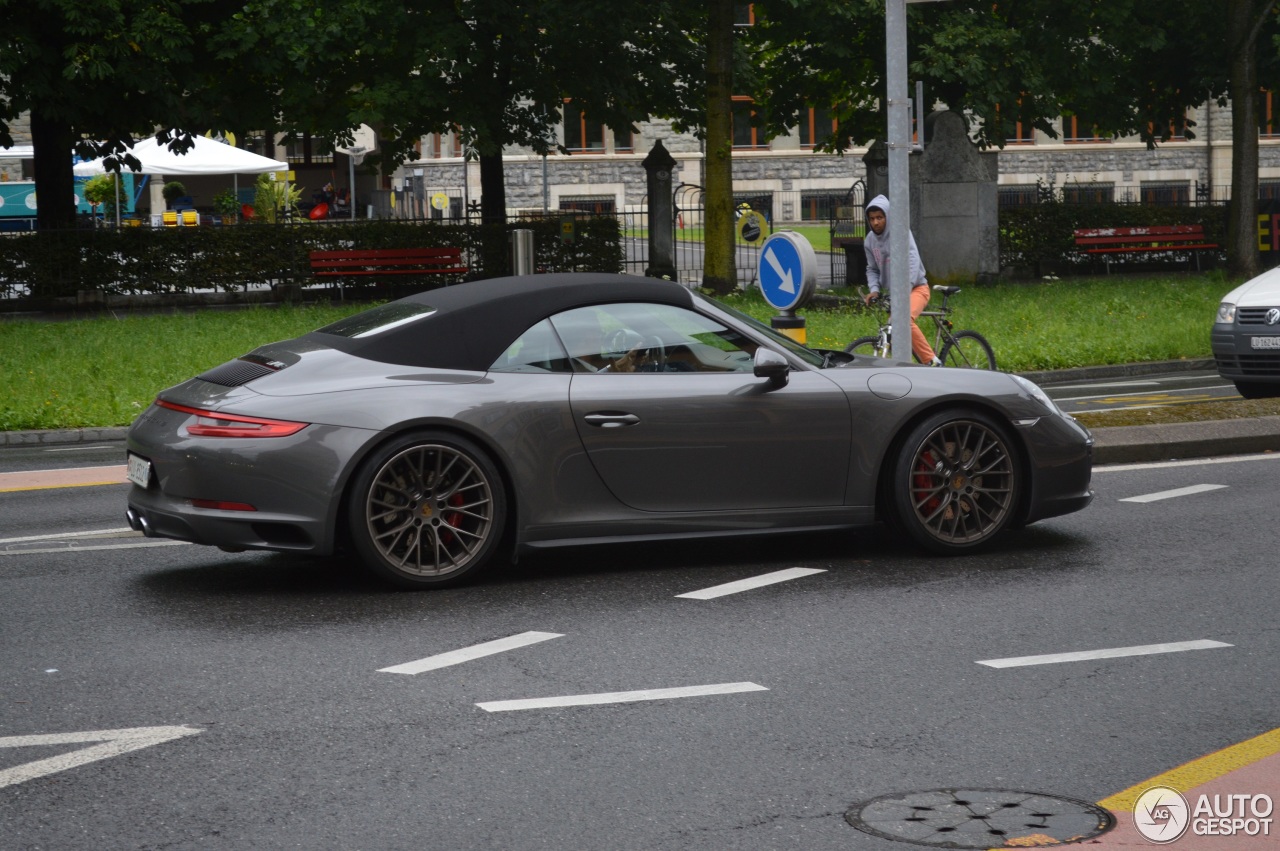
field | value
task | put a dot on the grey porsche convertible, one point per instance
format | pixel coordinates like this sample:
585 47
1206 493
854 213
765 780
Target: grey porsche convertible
433 435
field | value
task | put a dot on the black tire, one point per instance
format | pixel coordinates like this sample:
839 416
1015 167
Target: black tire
968 350
863 346
956 482
1255 390
426 510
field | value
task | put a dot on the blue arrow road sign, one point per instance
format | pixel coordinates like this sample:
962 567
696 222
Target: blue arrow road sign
788 270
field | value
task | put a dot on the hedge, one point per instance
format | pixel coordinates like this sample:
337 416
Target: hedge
1040 238
41 266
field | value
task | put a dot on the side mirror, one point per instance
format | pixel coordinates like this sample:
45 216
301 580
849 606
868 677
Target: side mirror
771 365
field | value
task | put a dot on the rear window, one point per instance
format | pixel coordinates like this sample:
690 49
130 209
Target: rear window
379 319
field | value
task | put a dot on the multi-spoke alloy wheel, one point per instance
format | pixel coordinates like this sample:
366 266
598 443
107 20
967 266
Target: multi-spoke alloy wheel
957 481
427 510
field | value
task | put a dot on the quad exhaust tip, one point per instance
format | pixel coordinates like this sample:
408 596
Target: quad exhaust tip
138 523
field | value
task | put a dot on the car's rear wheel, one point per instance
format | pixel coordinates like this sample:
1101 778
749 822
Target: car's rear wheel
956 482
427 510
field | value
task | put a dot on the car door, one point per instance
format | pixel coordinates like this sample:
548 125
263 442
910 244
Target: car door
691 428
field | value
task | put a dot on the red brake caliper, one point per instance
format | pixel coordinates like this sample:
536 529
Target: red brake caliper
924 480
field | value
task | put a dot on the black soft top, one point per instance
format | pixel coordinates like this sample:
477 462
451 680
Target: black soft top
472 324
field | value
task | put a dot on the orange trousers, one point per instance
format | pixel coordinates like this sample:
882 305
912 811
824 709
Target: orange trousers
919 343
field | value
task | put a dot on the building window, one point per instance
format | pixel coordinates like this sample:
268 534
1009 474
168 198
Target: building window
1166 193
598 204
816 126
1017 195
818 206
1268 125
745 135
1269 190
1077 129
309 150
1088 193
744 14
431 146
1177 130
581 134
624 142
259 144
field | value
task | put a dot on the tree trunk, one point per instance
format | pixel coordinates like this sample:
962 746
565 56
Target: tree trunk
1243 20
55 182
719 273
493 190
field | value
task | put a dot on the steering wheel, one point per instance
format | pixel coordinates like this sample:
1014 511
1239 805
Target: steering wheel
655 352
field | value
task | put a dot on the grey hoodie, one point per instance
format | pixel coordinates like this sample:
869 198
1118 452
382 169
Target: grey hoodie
877 249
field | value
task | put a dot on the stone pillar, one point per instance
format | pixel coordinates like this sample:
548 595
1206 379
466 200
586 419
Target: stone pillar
658 166
954 190
876 159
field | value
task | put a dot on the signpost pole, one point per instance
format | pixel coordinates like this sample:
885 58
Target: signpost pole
895 21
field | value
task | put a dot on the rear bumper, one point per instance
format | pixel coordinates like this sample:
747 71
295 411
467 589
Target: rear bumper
155 517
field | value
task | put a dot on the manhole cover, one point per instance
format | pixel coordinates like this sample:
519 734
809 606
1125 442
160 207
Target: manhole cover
980 818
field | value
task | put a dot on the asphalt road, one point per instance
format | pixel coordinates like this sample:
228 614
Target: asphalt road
268 718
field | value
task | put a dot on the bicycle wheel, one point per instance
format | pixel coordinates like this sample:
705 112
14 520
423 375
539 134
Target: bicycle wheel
864 346
968 350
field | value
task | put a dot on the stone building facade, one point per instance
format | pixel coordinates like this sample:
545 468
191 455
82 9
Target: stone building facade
785 177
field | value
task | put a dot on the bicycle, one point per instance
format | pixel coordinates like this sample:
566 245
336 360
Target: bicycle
963 349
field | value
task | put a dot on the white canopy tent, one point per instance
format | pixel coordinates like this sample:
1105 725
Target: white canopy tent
207 157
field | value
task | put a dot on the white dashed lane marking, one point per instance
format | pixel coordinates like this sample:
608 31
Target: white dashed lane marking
1171 494
618 697
467 654
752 583
1110 653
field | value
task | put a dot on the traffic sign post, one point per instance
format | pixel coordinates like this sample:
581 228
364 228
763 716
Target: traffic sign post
788 276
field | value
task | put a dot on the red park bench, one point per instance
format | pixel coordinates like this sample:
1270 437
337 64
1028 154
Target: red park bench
1111 241
362 262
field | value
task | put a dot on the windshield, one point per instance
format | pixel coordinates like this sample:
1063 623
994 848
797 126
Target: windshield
807 355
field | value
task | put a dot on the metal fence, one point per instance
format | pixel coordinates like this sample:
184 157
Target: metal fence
838 213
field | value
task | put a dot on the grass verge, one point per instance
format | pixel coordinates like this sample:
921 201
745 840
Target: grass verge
103 371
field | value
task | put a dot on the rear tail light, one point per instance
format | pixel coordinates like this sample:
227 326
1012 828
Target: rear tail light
221 505
213 424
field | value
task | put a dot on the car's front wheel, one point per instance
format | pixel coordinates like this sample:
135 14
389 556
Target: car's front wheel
426 510
956 482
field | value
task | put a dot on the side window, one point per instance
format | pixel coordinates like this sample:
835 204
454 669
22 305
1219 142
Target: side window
638 337
536 350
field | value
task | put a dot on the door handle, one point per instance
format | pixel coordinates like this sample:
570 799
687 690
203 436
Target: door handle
611 420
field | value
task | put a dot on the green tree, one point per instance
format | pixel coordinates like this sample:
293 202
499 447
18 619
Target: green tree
499 71
1131 66
719 274
93 75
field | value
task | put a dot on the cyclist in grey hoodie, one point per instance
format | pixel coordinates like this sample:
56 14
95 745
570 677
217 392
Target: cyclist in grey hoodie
876 245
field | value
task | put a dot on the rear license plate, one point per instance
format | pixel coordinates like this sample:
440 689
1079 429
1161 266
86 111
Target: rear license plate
1264 342
139 470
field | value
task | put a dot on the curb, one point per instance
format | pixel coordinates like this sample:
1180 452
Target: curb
1124 370
1172 441
62 436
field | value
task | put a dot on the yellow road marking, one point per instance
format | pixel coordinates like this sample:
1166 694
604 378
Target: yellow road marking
1200 771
